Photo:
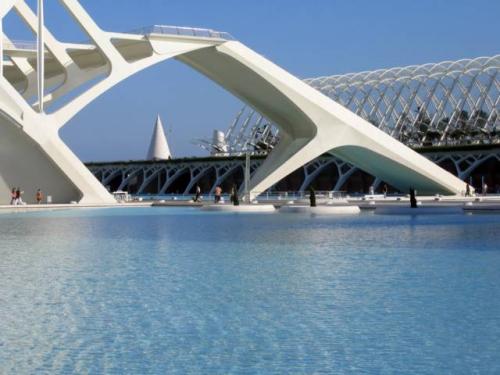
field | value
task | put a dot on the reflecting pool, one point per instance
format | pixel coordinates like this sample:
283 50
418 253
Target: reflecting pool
176 290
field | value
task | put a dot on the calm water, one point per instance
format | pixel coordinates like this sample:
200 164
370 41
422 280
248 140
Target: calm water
152 290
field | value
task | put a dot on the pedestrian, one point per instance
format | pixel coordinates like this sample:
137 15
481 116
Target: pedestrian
234 196
197 193
13 196
467 190
385 189
39 196
413 198
485 189
19 199
312 197
217 194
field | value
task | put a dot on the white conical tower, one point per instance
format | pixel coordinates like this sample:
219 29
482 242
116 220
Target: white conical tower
158 148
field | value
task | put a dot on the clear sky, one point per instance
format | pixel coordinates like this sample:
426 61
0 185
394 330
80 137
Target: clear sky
307 37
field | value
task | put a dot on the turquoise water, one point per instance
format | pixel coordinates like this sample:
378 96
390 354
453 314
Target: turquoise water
175 290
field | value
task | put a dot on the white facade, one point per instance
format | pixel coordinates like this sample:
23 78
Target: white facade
33 156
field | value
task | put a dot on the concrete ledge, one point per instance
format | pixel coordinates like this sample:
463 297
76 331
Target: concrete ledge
493 208
5 209
240 208
322 210
179 203
421 210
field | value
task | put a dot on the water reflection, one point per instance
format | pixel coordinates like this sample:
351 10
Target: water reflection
155 291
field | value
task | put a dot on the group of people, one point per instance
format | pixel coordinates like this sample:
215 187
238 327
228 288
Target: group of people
468 193
16 196
218 195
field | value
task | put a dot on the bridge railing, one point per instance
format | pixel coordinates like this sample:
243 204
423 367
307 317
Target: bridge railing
183 31
19 45
266 196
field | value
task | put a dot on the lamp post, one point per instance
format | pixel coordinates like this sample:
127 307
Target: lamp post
40 56
1 47
247 177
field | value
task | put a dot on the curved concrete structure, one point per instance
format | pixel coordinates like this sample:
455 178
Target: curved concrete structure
310 123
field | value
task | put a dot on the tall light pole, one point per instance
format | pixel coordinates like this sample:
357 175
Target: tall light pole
1 47
40 56
247 177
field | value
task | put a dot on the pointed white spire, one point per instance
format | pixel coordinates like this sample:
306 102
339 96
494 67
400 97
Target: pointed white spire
158 148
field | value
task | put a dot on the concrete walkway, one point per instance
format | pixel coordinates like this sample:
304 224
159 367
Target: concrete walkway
51 207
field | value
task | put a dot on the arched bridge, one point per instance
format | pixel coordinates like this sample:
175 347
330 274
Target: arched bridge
33 155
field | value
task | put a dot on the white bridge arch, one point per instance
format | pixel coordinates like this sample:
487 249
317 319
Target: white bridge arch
310 123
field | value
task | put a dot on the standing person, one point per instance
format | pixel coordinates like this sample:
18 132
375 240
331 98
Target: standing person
217 194
13 196
385 189
467 190
312 197
39 196
413 198
197 193
19 200
485 189
234 196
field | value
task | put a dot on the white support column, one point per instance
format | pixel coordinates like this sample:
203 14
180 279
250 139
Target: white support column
40 57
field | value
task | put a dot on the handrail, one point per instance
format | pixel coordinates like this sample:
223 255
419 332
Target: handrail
155 29
182 31
19 44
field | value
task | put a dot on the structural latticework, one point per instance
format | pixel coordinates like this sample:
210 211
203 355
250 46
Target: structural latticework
451 102
447 103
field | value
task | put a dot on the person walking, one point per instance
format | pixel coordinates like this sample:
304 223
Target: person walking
312 197
197 193
13 196
39 196
19 199
234 196
217 194
413 198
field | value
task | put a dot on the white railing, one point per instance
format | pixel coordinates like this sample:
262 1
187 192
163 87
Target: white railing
183 31
266 196
19 44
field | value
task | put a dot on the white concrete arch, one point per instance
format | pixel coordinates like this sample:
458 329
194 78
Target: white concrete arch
310 123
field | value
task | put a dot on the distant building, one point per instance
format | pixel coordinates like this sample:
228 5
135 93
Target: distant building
158 148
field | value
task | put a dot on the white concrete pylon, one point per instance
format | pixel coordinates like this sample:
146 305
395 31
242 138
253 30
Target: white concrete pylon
158 148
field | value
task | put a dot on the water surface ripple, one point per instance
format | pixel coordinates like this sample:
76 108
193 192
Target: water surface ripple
149 291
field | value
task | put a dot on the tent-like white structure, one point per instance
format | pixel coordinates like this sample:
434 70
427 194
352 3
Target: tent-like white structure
158 148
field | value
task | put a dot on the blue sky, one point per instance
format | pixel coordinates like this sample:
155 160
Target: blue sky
308 38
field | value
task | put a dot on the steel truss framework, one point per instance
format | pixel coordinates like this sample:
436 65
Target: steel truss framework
448 103
452 102
158 178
